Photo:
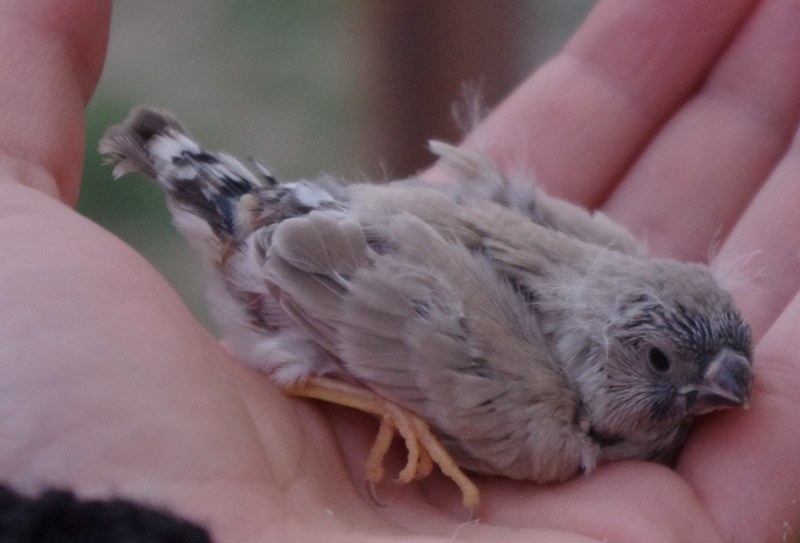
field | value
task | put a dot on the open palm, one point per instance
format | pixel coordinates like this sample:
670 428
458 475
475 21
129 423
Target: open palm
676 118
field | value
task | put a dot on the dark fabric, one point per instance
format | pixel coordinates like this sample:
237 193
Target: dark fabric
59 516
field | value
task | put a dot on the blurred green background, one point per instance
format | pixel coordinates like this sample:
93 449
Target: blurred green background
307 86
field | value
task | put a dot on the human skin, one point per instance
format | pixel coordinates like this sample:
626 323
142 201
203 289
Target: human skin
677 118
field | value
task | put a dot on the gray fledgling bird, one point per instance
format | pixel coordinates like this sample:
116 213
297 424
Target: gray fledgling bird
495 328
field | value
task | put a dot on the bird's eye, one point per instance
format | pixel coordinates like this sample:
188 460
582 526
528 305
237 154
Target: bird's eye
658 360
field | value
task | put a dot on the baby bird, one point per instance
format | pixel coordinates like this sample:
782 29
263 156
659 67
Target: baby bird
493 327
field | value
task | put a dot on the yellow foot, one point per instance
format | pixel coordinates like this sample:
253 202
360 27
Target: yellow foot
423 447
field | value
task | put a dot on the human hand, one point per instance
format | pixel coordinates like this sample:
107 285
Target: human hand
110 386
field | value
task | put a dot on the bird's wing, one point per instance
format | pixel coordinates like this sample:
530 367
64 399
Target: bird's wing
426 323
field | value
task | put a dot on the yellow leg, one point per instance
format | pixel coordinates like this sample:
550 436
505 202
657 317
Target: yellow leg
423 448
425 464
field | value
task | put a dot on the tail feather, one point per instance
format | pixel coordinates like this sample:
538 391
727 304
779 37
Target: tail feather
206 185
216 202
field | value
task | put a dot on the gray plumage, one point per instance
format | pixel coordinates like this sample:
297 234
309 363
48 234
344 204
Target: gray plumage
538 340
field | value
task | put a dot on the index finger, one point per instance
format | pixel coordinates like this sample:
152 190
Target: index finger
580 120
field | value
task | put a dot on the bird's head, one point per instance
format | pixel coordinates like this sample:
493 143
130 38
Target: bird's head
675 348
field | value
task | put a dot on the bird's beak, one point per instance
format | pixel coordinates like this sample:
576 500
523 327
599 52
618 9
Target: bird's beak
726 383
